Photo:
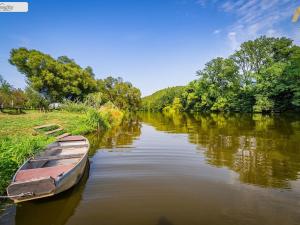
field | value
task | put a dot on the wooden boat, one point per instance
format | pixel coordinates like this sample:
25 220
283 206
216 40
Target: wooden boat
55 170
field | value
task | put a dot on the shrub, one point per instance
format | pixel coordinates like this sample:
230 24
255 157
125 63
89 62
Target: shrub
263 104
74 106
96 120
111 113
94 100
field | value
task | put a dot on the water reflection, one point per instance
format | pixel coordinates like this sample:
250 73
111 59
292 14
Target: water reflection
121 136
264 150
187 173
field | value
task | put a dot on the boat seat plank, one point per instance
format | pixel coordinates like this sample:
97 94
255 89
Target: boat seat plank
72 138
54 172
57 157
70 146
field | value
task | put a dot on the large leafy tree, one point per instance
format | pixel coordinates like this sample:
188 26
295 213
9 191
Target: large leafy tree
268 73
56 79
123 94
218 85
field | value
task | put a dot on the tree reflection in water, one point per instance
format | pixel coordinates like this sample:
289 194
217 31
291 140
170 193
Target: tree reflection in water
121 136
263 149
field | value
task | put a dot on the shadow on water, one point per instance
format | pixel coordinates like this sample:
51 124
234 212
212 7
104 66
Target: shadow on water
49 211
263 149
164 221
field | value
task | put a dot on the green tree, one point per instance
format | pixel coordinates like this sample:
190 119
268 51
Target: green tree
123 94
56 79
5 93
161 99
94 99
11 97
292 78
34 99
266 72
218 85
19 98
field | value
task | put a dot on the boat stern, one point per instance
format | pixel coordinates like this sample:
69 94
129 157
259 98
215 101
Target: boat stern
32 189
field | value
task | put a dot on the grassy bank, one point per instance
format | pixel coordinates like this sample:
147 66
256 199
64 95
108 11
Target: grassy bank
19 141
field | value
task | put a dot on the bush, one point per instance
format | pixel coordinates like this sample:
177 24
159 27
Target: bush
111 113
74 106
263 104
107 116
104 117
94 100
96 120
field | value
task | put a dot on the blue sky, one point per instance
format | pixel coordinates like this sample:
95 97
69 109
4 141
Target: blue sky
152 43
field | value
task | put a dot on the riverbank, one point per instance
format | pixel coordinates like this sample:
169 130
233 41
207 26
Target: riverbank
19 141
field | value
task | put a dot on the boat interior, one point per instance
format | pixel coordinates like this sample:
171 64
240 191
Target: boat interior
57 159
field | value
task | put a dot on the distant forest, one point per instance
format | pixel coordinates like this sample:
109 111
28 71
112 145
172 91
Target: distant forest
263 75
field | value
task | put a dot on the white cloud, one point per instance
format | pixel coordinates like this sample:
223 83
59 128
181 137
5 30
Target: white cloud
234 44
256 17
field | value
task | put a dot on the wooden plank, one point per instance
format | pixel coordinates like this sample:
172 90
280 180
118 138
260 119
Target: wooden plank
72 138
70 146
44 126
57 157
62 136
53 131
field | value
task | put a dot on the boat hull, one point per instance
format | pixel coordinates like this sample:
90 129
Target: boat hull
72 177
64 184
47 186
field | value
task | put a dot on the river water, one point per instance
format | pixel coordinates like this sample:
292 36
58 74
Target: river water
182 170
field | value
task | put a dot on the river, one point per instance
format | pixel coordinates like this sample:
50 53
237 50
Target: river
182 169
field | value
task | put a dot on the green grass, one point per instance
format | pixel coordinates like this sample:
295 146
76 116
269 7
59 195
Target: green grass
19 141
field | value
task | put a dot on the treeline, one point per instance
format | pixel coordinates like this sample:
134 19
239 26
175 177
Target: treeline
52 80
161 99
263 75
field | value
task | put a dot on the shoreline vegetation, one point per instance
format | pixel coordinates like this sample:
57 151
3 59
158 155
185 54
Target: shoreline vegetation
19 141
261 76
